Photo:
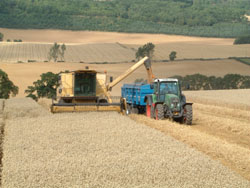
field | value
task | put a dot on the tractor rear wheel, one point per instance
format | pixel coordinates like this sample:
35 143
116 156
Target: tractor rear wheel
159 112
189 114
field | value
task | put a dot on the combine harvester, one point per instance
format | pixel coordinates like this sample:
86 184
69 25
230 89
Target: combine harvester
87 90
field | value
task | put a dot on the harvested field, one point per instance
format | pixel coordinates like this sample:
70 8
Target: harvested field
196 50
90 37
88 46
220 127
76 150
235 98
109 150
100 53
24 74
117 53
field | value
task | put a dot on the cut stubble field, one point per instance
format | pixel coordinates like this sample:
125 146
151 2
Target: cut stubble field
220 127
93 37
118 53
90 46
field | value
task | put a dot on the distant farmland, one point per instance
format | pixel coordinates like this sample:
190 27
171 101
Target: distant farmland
116 52
24 74
23 52
198 50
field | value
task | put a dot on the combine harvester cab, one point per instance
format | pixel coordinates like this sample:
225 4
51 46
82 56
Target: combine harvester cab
83 90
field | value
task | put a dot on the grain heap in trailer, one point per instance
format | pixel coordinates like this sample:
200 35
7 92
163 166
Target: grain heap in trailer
88 90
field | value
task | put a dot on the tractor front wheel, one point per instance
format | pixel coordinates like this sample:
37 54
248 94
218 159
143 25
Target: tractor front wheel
159 112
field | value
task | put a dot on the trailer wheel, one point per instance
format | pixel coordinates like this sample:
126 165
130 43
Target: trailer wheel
128 110
189 114
135 110
159 112
123 105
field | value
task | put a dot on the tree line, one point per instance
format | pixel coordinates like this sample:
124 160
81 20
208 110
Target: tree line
187 17
46 86
202 82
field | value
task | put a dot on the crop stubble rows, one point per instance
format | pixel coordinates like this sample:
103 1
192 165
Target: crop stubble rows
220 127
22 52
116 52
99 150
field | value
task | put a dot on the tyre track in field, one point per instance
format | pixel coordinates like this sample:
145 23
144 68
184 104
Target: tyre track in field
222 135
227 125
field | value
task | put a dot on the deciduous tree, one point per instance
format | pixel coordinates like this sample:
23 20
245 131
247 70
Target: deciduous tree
57 51
7 87
45 87
145 50
1 37
172 55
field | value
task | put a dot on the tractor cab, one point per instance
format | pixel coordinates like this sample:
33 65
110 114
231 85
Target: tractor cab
166 88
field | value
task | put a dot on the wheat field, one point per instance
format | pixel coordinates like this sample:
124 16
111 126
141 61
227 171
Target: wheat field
197 50
24 52
76 150
235 98
41 149
117 53
24 74
92 46
93 37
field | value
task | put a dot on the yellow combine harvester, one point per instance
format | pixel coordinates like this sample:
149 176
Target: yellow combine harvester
87 90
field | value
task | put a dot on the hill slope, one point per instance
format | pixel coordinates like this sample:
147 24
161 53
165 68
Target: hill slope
187 17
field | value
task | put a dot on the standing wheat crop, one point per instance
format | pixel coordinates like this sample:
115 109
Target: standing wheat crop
101 150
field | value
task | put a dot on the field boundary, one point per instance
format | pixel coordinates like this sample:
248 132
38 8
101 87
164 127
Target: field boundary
154 61
242 60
